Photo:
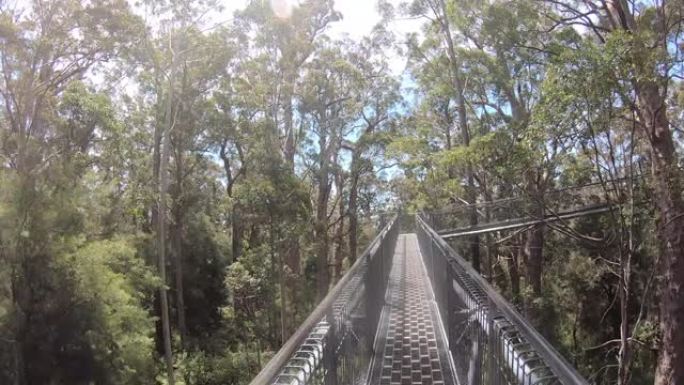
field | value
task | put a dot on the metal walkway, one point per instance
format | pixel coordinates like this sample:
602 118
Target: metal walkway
411 311
410 345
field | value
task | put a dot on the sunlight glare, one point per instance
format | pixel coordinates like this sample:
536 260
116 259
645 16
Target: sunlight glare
282 8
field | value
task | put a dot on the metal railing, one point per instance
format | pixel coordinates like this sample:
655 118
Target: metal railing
525 221
489 341
548 204
334 344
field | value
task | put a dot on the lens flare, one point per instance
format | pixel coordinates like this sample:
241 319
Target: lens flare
282 8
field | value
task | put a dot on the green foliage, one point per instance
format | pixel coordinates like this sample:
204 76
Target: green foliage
111 282
226 367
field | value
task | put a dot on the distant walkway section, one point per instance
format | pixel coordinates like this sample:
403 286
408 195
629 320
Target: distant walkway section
410 348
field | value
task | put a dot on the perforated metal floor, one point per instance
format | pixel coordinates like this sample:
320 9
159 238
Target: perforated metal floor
410 348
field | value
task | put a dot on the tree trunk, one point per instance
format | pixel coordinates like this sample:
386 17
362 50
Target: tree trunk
292 262
284 328
353 217
154 228
624 354
237 231
651 92
534 255
288 92
161 230
291 248
489 244
356 169
534 245
513 272
180 291
667 179
471 194
21 301
475 239
321 227
21 261
177 233
534 251
339 231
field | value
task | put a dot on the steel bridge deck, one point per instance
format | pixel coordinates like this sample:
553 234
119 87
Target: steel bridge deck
410 346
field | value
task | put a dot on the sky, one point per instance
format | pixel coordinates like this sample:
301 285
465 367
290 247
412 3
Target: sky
359 15
359 18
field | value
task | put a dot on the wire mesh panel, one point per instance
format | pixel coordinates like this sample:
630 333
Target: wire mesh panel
334 345
489 341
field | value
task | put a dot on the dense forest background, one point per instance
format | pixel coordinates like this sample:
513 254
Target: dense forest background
177 192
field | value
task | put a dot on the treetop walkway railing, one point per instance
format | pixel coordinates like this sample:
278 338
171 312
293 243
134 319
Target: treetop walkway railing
334 345
525 221
547 204
484 339
489 341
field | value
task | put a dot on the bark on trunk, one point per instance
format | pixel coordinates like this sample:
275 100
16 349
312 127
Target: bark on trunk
534 250
356 170
22 261
514 273
651 92
288 92
339 232
534 245
668 185
154 228
292 258
237 233
21 296
284 325
180 291
162 226
624 354
321 227
489 244
237 227
534 255
353 218
471 194
177 233
322 244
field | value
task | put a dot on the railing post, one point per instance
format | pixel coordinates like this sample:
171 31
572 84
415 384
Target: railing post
432 262
451 306
382 260
369 286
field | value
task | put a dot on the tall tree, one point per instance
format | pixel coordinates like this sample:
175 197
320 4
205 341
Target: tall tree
40 58
652 35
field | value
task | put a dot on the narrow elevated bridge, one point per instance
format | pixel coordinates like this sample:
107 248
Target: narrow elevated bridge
412 311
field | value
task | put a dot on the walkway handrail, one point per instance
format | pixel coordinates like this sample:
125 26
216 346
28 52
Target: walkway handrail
460 208
324 311
509 224
492 311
